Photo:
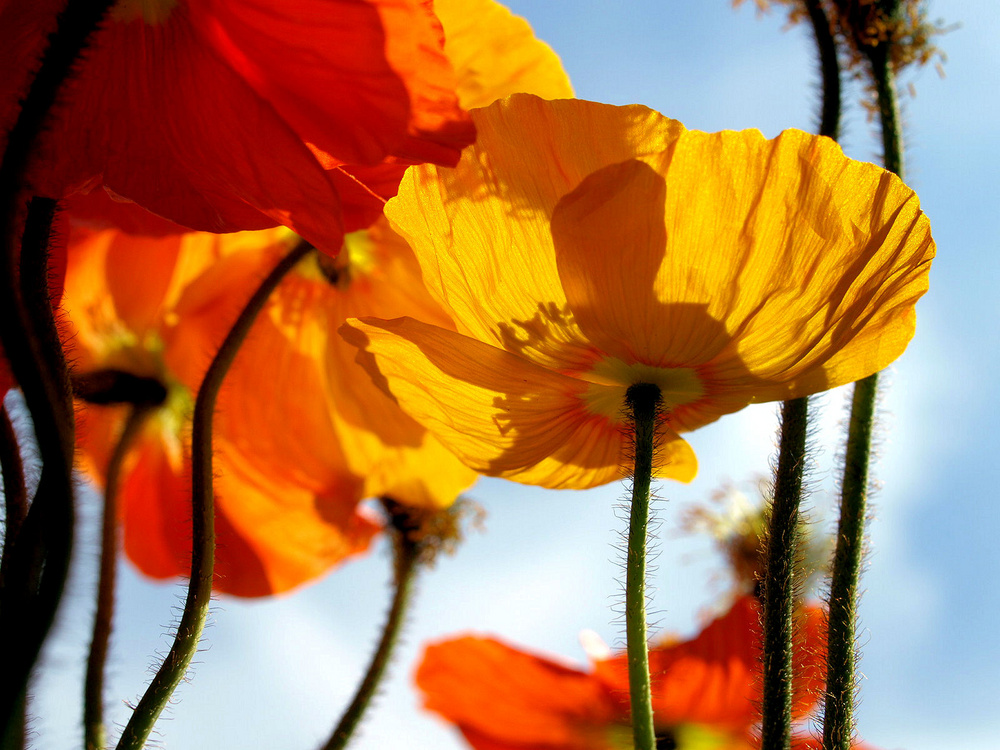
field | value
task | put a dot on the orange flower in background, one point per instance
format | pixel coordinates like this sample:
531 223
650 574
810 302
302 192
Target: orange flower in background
582 248
301 434
706 691
148 308
223 115
312 403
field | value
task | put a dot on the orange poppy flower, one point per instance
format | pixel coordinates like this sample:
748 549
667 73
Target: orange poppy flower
582 248
706 691
224 115
302 436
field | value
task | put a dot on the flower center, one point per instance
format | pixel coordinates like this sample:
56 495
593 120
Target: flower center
357 258
610 379
134 371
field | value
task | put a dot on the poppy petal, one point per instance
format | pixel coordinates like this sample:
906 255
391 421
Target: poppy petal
161 120
500 413
817 261
356 80
609 237
496 53
288 534
528 154
502 697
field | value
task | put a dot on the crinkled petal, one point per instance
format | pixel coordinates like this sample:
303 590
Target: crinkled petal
764 269
481 231
500 413
816 261
496 53
609 238
502 698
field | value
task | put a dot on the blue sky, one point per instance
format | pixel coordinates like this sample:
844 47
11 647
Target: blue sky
276 674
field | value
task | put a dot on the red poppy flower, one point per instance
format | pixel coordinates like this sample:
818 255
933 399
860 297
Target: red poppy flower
706 691
301 433
224 115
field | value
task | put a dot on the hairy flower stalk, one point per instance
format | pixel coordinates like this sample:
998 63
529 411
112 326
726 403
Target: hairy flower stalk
199 595
94 731
643 402
780 584
40 559
829 65
419 535
839 723
779 577
37 560
407 550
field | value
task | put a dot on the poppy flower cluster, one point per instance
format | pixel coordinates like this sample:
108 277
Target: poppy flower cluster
706 690
293 469
537 259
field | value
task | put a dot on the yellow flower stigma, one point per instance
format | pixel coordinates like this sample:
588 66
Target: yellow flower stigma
610 379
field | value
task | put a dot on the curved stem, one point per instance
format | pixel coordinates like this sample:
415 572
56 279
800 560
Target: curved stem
779 580
829 65
93 694
643 400
406 563
39 560
839 724
199 595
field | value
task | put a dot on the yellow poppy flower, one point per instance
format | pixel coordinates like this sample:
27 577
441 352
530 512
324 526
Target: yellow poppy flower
495 54
583 248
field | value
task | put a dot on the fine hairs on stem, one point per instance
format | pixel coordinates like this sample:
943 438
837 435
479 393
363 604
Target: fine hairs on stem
406 563
39 563
643 402
779 577
839 723
199 595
